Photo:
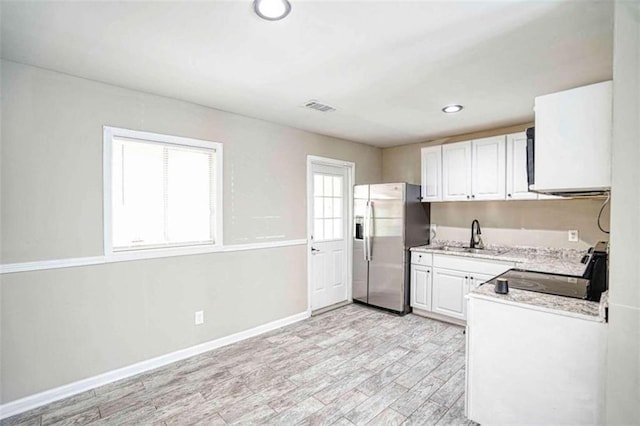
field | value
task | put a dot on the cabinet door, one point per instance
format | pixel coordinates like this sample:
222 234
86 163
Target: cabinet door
456 171
449 289
432 173
517 185
421 287
573 139
476 279
489 168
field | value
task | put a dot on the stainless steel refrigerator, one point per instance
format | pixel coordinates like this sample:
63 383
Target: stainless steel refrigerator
389 219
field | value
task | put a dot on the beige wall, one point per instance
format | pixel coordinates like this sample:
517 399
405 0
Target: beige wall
555 217
623 373
526 223
52 173
63 325
59 326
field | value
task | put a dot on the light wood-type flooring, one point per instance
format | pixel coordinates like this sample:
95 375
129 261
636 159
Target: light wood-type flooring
352 365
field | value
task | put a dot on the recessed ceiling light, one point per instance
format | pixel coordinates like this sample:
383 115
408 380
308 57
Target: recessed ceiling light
452 108
272 10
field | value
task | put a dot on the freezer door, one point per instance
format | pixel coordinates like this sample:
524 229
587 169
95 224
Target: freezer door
360 262
387 284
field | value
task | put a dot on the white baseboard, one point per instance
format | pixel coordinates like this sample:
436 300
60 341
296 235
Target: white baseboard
33 401
439 317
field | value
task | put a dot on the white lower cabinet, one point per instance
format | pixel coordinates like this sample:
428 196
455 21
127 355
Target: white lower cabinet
421 287
441 286
533 366
449 289
476 279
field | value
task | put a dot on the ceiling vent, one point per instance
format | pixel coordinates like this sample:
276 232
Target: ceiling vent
318 106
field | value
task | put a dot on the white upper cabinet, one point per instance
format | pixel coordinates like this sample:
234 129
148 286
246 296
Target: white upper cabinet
493 168
517 185
432 173
456 171
474 170
488 168
573 140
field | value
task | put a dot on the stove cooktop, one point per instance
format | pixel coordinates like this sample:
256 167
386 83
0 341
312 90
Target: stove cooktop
541 282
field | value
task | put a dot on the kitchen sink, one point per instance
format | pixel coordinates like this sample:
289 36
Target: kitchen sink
456 249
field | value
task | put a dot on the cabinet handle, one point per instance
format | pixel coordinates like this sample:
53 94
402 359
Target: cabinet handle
473 196
467 197
471 277
428 271
508 195
466 278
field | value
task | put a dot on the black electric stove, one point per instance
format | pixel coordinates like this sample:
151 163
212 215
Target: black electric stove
541 282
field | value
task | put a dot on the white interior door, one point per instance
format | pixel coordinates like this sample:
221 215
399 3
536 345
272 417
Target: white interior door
329 201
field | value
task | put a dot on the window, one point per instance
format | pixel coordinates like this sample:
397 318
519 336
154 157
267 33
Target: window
327 205
161 191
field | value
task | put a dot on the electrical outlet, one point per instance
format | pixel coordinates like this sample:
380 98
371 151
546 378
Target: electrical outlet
199 317
573 235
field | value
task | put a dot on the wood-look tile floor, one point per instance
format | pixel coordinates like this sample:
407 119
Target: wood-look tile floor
353 365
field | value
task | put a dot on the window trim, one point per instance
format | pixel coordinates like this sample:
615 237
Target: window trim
144 253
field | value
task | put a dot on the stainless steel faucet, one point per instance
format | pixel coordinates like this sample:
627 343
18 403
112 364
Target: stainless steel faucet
476 239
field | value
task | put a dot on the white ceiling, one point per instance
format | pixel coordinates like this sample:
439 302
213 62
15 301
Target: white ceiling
387 66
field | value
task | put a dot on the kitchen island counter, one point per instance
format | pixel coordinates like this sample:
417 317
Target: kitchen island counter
577 308
534 358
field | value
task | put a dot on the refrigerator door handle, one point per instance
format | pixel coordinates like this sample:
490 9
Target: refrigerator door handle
368 240
365 237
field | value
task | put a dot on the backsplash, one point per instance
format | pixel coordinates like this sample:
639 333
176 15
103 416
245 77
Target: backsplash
513 237
523 223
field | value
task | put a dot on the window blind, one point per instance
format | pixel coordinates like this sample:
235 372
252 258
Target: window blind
162 194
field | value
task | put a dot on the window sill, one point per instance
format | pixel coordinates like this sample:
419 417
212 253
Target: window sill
151 253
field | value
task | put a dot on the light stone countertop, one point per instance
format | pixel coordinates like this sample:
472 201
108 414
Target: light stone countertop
577 308
553 260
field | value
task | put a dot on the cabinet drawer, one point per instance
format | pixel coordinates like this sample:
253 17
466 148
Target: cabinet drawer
481 266
419 258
